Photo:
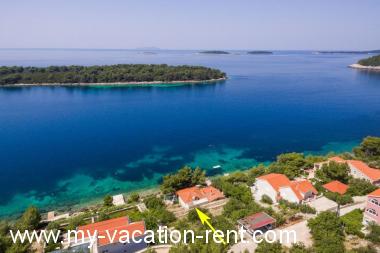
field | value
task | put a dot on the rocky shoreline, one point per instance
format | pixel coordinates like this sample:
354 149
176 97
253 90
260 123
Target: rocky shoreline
114 84
362 67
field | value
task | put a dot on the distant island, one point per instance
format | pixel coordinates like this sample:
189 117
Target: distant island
259 52
371 63
107 74
214 52
350 52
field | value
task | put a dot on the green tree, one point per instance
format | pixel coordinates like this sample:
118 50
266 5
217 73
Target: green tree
299 248
374 234
353 222
134 197
265 247
108 201
185 177
30 219
369 150
75 221
326 230
266 199
153 202
290 164
360 187
333 171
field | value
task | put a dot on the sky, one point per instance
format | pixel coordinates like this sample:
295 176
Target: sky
191 24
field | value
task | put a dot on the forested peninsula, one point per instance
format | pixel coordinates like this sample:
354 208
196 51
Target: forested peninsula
107 74
371 63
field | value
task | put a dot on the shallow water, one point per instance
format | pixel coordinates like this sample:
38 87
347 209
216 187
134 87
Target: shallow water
61 146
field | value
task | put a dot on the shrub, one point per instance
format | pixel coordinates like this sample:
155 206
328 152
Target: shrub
303 208
374 234
326 230
360 187
353 222
340 199
266 199
108 201
134 197
153 202
185 177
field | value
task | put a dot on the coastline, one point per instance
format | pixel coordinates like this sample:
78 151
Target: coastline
115 83
362 67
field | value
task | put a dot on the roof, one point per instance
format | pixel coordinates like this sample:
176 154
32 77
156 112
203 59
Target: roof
336 186
337 159
113 226
195 193
257 220
373 174
304 186
278 181
375 193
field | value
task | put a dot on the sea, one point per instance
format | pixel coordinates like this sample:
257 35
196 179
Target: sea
62 147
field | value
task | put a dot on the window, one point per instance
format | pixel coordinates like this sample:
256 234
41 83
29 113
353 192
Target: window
371 211
375 201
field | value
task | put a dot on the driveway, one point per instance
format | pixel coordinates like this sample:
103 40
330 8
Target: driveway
323 204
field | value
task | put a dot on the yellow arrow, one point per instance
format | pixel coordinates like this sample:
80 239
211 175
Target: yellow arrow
204 219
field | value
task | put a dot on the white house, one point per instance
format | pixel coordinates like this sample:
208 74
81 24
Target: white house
361 170
358 169
278 186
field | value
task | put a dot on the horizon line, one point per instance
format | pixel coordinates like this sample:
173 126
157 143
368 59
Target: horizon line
171 49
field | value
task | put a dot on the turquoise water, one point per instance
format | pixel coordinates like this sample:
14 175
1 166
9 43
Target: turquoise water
67 146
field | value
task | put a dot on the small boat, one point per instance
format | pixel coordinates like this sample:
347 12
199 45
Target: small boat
217 167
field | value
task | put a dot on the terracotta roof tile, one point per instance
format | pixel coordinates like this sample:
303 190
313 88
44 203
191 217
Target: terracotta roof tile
195 193
337 159
113 226
375 193
373 174
278 181
305 186
336 186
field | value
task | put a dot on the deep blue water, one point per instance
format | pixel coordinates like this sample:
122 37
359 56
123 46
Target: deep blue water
61 146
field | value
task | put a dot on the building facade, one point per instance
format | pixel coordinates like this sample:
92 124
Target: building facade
372 210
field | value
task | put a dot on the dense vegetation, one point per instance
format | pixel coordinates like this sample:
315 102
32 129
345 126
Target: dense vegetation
292 164
326 230
185 177
259 52
106 74
369 150
353 222
371 61
214 52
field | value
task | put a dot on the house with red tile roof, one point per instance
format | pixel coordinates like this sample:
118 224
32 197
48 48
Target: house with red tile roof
372 210
198 195
111 234
336 186
278 186
336 159
361 170
358 169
